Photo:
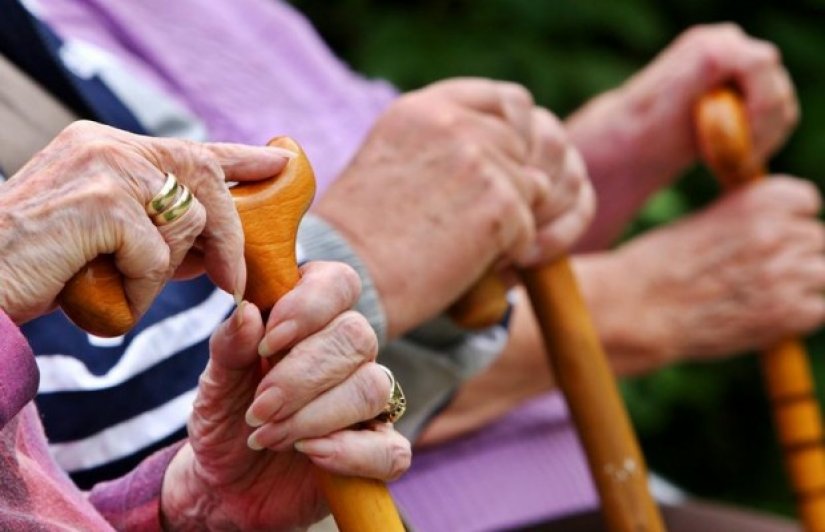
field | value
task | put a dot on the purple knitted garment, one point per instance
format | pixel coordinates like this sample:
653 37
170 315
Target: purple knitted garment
34 491
526 467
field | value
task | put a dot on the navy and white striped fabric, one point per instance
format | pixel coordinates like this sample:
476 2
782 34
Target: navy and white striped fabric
134 393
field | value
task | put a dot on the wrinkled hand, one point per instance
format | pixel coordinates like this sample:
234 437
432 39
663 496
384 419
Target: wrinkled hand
452 178
740 275
700 59
326 382
85 194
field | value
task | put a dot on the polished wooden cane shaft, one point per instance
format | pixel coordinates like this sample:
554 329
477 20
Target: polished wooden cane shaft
581 369
724 138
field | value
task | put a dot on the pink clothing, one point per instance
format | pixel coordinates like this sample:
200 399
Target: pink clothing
284 79
34 491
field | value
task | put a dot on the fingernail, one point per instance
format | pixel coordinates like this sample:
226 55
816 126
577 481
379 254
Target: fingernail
252 420
278 338
237 318
252 442
317 448
240 282
283 152
269 403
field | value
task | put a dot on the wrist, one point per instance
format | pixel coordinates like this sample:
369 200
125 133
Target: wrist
184 504
634 128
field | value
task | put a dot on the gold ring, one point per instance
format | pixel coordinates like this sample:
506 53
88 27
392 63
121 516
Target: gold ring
177 209
396 404
167 195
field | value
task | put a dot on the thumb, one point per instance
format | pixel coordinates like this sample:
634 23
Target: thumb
249 163
234 344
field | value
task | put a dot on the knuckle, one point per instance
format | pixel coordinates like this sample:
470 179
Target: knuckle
157 264
447 120
399 455
810 193
356 335
551 133
90 151
516 95
78 129
348 280
505 202
764 235
470 158
373 388
106 196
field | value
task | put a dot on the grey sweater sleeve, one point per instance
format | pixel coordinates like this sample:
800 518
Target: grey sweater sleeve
317 240
429 362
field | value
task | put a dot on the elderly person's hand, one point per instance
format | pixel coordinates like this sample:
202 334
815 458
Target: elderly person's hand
740 275
302 412
452 178
85 195
639 137
652 112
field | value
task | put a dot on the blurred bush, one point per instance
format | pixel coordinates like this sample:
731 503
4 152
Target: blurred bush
706 427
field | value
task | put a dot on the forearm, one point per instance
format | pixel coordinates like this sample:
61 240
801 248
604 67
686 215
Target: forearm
623 139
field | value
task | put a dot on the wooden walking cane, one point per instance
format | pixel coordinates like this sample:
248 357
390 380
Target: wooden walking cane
581 369
270 212
725 141
584 376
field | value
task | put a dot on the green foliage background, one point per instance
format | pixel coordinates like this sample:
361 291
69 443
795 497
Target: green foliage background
705 427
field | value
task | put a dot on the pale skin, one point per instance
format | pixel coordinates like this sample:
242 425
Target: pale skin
253 433
301 413
84 195
736 276
740 275
466 153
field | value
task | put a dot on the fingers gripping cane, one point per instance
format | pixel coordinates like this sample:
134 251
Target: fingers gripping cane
725 141
270 212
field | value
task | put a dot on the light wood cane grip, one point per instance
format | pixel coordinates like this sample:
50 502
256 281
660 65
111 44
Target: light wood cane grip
724 138
270 213
94 299
581 369
483 305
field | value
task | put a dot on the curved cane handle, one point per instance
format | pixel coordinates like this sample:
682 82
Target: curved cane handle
270 211
724 138
94 299
483 305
